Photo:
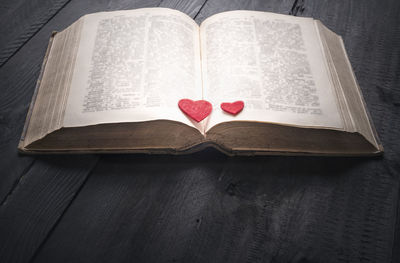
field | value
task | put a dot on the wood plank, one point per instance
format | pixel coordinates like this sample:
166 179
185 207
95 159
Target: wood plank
18 77
217 6
396 239
210 208
165 204
34 207
371 34
21 20
207 207
134 208
191 8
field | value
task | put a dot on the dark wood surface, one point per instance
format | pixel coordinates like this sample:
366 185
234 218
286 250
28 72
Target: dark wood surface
204 207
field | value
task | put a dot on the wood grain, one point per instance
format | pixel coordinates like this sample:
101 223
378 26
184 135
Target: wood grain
207 207
21 20
18 77
212 7
35 205
373 45
130 210
191 8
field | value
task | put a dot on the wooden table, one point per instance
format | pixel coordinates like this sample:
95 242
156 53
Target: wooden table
204 207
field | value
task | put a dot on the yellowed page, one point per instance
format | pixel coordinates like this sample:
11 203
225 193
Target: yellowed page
274 63
134 66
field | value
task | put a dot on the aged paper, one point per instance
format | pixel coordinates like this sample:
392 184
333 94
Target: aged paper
272 62
134 66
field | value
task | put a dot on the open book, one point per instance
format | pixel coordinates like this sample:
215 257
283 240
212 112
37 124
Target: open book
111 82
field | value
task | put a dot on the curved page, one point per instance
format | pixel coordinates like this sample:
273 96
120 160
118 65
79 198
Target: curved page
134 66
275 63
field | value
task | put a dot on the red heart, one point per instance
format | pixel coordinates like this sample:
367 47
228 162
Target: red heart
197 110
233 108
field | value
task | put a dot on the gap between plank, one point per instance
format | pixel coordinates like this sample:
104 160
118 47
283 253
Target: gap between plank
201 8
297 7
51 230
17 182
30 37
396 233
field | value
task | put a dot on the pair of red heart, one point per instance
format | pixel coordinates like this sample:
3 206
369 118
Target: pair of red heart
200 109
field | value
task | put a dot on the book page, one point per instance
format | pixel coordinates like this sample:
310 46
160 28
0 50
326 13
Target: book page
134 66
274 63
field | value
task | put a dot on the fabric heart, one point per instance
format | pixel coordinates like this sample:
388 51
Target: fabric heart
233 108
197 110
